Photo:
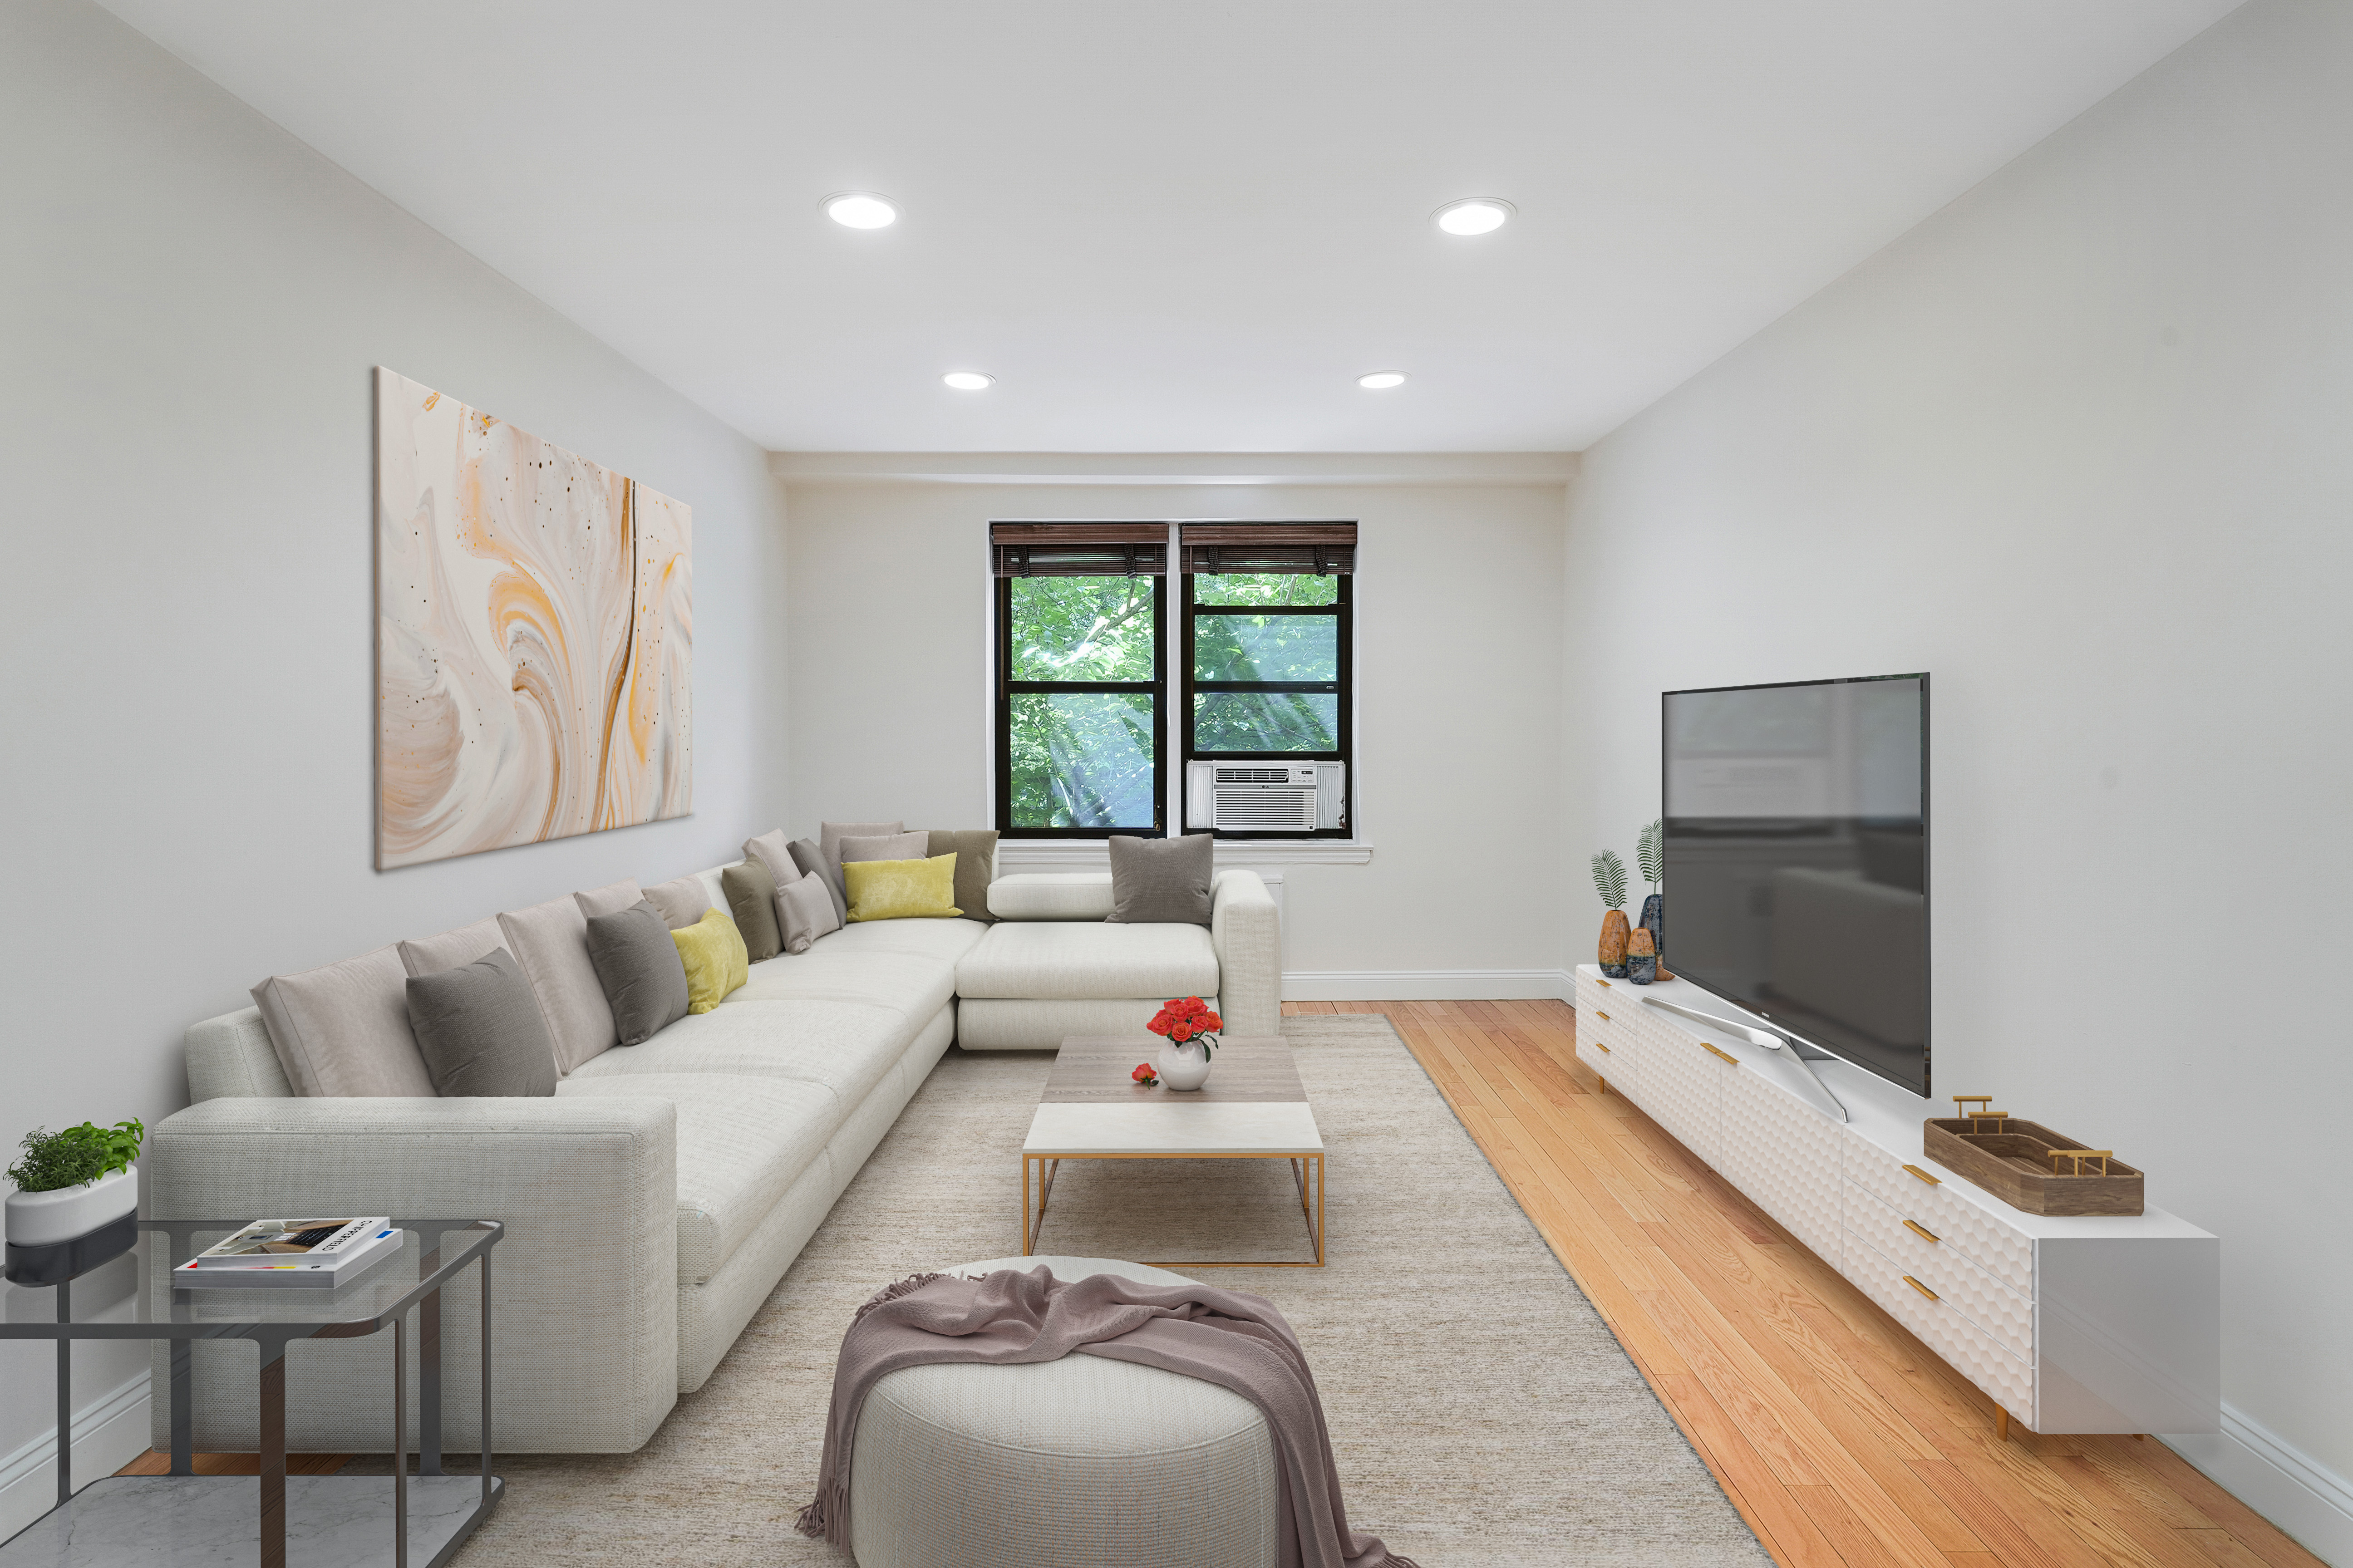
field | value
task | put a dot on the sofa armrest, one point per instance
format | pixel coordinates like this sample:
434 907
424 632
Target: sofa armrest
584 1282
231 1056
1247 932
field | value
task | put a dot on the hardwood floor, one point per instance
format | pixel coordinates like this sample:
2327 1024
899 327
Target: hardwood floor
1842 1440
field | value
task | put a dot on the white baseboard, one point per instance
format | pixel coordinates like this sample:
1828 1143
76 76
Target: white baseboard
1427 985
107 1436
2287 1486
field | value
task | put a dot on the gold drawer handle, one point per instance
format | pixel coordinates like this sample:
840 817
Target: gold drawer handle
1932 1181
1921 1288
1602 1048
1601 1014
1923 1235
1726 1056
1603 983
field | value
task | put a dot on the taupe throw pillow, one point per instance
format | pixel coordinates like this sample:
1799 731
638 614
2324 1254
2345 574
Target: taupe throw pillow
885 847
805 913
682 900
752 897
770 849
810 860
343 1028
638 967
1161 881
830 835
975 852
606 899
479 1029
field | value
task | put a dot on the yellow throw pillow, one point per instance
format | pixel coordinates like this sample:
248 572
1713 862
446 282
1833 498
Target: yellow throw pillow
901 889
715 958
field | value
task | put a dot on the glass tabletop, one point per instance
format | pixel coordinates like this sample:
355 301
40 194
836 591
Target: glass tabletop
431 1252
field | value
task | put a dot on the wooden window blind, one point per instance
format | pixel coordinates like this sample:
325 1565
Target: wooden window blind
1326 549
1079 549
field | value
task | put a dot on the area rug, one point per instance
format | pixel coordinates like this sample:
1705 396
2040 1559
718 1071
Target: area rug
1483 1415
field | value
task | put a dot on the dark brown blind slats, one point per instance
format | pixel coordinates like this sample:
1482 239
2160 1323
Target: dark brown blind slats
1322 548
1079 549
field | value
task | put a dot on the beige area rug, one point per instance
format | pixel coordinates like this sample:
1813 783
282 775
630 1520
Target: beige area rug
1483 1414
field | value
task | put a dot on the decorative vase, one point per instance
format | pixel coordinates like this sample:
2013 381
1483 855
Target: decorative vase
1185 1066
1642 957
1612 957
46 1219
1654 921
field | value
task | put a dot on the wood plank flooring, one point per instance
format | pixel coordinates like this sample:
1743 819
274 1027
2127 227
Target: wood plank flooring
1842 1440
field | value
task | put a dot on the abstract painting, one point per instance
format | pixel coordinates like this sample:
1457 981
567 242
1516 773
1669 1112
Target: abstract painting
534 653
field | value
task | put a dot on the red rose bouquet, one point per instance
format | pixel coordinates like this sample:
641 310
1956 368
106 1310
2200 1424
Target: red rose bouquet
1188 1018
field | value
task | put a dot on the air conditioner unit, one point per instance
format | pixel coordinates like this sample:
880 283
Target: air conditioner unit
1265 797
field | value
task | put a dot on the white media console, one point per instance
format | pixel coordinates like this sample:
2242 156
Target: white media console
2071 1325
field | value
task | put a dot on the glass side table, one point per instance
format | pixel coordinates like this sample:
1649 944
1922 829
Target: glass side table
342 1521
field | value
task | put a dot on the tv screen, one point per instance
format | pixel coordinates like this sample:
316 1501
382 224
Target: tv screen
1797 860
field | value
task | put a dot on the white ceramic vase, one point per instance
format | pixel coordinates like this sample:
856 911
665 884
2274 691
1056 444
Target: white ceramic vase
1183 1067
44 1219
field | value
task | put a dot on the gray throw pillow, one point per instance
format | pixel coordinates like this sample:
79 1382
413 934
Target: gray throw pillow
805 913
1161 881
638 967
479 1029
975 852
811 861
752 897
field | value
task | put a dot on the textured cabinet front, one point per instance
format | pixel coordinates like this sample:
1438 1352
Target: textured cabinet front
1980 1298
1679 1089
1944 1328
1784 1155
1604 1043
2001 1250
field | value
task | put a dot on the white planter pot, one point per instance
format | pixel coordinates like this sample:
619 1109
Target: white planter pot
1184 1067
44 1219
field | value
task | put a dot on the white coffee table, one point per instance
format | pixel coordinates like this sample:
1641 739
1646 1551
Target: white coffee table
1253 1107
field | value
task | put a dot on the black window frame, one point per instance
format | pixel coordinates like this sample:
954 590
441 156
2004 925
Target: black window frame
1007 689
1343 609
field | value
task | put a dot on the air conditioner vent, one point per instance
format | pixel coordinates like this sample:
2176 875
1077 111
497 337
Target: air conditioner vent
1234 774
1261 807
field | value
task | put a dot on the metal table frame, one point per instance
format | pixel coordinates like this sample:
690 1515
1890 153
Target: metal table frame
1306 1174
272 1338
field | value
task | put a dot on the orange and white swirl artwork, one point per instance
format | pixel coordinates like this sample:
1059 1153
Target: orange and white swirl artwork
535 639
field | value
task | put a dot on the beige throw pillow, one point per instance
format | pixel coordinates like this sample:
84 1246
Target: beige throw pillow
680 901
770 849
343 1028
608 900
550 941
453 948
831 833
885 847
805 910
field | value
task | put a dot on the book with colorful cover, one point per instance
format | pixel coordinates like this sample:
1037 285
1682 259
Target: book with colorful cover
274 1241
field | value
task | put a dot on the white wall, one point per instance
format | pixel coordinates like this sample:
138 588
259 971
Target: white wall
2079 447
190 304
1458 717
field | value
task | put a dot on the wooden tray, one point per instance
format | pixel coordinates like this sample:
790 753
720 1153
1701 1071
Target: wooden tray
2011 1160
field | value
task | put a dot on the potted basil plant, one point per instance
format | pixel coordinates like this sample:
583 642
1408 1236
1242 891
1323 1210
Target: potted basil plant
72 1183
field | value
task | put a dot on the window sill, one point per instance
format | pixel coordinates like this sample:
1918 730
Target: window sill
1093 854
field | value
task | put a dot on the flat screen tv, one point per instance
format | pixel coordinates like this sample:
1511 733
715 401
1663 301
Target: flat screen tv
1797 860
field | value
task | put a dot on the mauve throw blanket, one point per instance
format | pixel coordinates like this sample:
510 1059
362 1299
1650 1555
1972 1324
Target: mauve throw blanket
1011 1317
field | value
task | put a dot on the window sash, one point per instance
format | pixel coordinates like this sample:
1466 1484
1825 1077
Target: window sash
1007 689
1342 611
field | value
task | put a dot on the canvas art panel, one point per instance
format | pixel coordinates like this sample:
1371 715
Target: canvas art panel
534 659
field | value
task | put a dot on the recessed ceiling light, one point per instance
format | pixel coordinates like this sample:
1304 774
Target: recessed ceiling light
861 209
1475 215
1381 380
969 379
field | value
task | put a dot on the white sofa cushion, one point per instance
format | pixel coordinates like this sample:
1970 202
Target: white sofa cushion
847 1047
1043 1023
741 1142
916 986
343 1028
1065 959
1051 896
944 941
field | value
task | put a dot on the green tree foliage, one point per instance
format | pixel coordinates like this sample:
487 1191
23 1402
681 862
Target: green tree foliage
1082 759
1266 647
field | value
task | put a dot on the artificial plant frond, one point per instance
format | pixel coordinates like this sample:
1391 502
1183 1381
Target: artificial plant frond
1610 878
1651 852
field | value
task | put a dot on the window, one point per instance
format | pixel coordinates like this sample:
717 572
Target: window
1080 679
1268 657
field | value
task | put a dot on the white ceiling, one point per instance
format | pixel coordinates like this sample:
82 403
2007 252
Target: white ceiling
1172 227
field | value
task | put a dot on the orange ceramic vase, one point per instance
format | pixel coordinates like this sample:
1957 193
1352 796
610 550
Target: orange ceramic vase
1612 958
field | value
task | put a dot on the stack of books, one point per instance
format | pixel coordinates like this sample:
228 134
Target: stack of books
293 1254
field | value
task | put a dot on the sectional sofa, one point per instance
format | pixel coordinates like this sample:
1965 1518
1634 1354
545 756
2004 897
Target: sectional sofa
654 1202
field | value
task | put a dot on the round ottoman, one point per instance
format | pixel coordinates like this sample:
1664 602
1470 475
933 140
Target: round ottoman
1076 1463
